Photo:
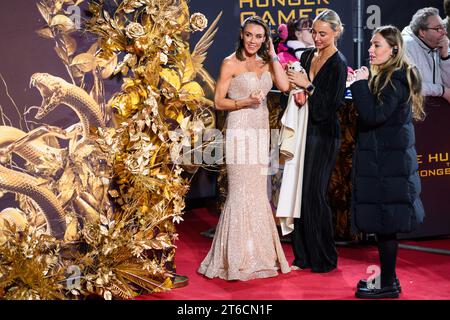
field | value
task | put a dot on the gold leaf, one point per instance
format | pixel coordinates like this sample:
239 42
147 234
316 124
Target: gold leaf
62 55
66 185
103 230
62 22
85 62
75 292
45 33
157 245
171 77
113 193
154 128
153 159
86 210
108 66
189 71
76 72
180 117
71 233
152 72
107 295
184 124
104 220
93 49
191 91
135 98
70 44
90 199
84 151
44 12
167 194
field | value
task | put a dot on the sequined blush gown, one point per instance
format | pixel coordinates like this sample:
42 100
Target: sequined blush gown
246 244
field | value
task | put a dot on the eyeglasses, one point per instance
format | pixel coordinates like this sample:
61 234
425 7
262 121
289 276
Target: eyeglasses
305 29
439 29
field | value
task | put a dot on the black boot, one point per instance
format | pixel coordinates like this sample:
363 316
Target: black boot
385 292
387 249
363 284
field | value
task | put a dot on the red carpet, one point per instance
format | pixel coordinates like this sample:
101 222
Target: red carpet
423 276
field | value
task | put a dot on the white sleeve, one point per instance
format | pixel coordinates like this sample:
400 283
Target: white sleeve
431 89
428 87
445 72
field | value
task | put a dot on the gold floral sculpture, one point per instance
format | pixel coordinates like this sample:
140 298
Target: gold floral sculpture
98 201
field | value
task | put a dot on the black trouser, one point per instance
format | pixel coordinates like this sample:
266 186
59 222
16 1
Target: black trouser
312 239
387 249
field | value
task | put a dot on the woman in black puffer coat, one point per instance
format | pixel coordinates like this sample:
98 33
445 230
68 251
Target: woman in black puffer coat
386 184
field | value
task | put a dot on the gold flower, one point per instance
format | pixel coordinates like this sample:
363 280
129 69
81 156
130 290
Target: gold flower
135 30
198 22
163 58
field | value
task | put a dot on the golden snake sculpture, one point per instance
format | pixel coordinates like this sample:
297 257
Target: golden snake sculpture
31 151
17 182
56 91
13 181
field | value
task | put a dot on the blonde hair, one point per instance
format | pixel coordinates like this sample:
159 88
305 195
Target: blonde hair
333 19
382 74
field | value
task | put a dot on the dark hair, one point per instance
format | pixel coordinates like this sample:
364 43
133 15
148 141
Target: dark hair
297 25
263 52
382 75
447 7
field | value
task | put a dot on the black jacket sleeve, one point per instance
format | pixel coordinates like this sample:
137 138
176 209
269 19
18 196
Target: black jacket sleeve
371 112
329 93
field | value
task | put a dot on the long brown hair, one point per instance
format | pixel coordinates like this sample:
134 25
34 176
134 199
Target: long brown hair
382 74
263 52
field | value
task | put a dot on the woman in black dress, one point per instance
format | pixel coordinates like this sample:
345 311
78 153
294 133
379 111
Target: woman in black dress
386 183
324 80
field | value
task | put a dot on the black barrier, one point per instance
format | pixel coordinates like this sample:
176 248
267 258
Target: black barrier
433 150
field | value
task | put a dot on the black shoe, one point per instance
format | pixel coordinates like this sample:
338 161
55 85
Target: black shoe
363 284
209 233
302 266
385 292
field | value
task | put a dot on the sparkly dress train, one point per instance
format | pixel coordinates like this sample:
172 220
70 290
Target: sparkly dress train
246 244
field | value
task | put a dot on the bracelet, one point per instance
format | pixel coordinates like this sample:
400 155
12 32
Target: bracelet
310 89
275 58
235 105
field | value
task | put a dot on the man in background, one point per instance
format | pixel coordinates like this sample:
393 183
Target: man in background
427 47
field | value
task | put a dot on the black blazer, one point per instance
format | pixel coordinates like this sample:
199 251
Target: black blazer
386 183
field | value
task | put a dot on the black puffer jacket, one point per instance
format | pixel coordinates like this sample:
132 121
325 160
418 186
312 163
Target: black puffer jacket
386 183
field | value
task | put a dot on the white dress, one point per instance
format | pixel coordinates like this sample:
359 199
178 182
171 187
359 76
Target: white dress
246 244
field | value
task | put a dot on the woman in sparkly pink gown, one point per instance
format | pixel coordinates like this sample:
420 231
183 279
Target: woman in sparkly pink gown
246 244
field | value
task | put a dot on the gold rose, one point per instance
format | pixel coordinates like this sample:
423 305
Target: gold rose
198 22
